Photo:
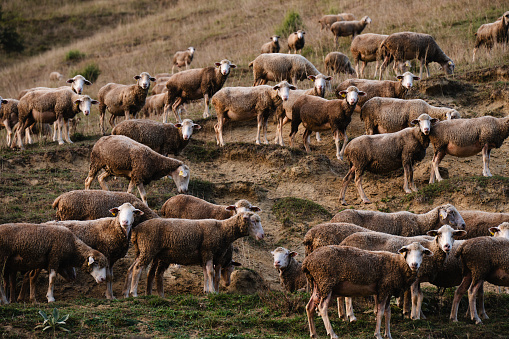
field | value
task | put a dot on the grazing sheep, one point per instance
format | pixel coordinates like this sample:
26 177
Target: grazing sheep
77 83
317 114
246 103
124 100
296 41
188 242
337 62
95 204
284 112
189 207
388 115
195 84
8 116
327 20
162 138
272 46
290 270
121 156
384 153
465 138
403 223
480 223
183 58
346 28
154 105
55 76
48 106
330 233
408 46
278 67
348 271
380 88
489 34
159 87
25 247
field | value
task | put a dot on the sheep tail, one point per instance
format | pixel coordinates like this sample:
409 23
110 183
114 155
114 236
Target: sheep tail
251 64
55 203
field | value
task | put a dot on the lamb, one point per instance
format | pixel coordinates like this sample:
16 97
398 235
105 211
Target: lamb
290 270
327 20
465 138
189 207
489 34
95 204
296 41
278 67
317 114
337 62
25 247
55 76
195 84
162 138
346 28
330 233
284 112
403 223
388 115
246 103
188 242
124 100
154 105
48 106
124 157
380 88
387 152
348 271
8 116
410 45
272 46
183 58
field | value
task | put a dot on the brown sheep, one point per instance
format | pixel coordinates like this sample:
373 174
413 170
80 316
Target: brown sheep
346 28
337 63
489 34
272 46
327 20
183 58
296 41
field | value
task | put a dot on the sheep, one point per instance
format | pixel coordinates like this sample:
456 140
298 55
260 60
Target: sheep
403 223
284 112
480 223
124 100
388 115
55 76
440 242
189 207
8 116
183 58
330 233
327 20
25 247
290 270
387 152
188 242
465 138
162 138
195 84
410 45
278 67
77 82
348 271
159 87
158 76
48 106
124 157
272 46
95 204
296 41
246 103
489 34
317 114
337 62
346 28
154 105
380 88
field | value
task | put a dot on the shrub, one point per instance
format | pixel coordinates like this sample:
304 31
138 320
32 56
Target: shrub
291 23
10 39
74 55
91 72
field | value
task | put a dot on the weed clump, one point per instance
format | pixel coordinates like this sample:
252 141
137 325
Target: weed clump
74 55
91 72
291 23
291 209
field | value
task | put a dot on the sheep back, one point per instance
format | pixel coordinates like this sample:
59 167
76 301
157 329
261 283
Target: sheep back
189 207
331 233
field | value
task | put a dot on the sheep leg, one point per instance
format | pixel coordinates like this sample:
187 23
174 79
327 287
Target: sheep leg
265 123
279 132
165 112
3 296
143 193
337 134
379 314
388 320
417 297
136 273
208 275
218 128
472 295
51 286
206 113
310 309
358 183
112 120
460 291
473 56
128 278
60 122
161 268
439 155
341 308
322 308
109 282
480 297
486 161
346 180
217 277
9 131
349 309
150 276
317 136
101 178
259 119
407 177
305 140
384 65
67 136
376 68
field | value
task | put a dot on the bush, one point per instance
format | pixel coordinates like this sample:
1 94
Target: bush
91 72
10 40
291 23
74 55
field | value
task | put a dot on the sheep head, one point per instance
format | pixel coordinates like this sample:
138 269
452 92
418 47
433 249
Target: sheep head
225 66
84 104
282 257
77 83
351 95
144 79
407 79
445 236
413 254
424 121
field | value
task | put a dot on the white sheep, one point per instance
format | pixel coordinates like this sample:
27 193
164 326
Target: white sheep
183 58
272 46
291 276
296 41
55 76
346 28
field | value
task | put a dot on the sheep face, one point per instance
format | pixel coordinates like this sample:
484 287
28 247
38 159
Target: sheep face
424 121
448 67
255 228
407 79
445 236
351 95
322 83
77 83
243 206
126 214
452 114
275 38
413 254
85 103
282 257
283 90
501 230
366 20
449 215
144 79
225 66
300 34
181 178
191 50
186 128
97 270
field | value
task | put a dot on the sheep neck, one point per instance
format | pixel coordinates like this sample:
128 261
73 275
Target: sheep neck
234 228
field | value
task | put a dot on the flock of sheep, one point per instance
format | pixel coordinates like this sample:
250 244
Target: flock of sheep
359 253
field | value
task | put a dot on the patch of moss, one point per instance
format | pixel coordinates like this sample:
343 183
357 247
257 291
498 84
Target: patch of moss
291 209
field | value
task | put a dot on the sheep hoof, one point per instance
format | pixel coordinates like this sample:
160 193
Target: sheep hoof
454 320
344 203
478 322
352 319
50 300
60 142
366 201
408 190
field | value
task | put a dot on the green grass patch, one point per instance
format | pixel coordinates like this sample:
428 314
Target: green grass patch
291 209
291 23
74 55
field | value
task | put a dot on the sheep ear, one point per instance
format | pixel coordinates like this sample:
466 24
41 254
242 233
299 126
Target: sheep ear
233 66
434 121
293 254
90 260
217 64
138 212
182 174
414 122
443 214
275 88
255 209
77 101
87 82
328 78
427 252
196 126
231 208
399 77
70 81
4 101
432 233
417 78
402 250
292 87
153 79
459 233
494 230
114 211
342 94
234 263
311 77
178 125
303 32
94 102
136 77
361 93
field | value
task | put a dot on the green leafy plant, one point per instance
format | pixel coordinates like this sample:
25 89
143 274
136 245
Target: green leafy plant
291 23
74 55
53 321
91 72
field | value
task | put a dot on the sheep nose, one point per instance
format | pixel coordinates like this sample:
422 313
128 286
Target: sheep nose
285 98
185 137
87 112
447 248
414 266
